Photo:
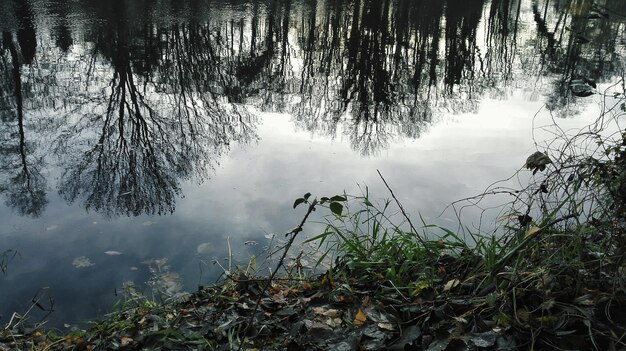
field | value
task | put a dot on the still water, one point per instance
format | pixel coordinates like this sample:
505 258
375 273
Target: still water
143 139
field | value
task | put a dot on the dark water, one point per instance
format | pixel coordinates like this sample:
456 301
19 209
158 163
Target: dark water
138 139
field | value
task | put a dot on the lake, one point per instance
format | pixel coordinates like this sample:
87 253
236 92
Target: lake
143 142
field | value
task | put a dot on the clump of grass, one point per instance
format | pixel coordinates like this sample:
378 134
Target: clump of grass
555 267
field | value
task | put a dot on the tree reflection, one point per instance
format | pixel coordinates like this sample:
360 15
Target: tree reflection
381 70
584 42
154 131
367 69
24 185
152 93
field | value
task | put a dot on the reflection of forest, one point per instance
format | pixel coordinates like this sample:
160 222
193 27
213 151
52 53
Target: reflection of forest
21 181
140 95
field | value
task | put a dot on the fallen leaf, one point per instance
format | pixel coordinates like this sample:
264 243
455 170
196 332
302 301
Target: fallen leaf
438 345
125 341
318 310
331 313
366 301
386 326
333 322
409 338
483 340
451 284
359 319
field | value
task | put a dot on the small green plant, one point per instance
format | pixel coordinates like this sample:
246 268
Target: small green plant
374 241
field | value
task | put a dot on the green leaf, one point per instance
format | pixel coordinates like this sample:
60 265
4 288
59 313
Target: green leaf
307 195
298 202
338 198
336 208
324 199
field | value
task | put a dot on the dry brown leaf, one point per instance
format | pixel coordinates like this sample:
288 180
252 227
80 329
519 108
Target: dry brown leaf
366 301
279 298
125 341
343 298
319 310
331 313
359 319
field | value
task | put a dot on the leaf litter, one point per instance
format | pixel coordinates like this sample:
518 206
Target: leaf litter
318 314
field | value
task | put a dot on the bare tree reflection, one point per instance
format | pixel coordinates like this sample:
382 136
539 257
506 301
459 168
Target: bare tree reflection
157 90
583 42
154 131
24 186
367 69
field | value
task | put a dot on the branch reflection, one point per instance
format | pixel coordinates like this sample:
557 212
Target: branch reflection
22 183
158 126
138 97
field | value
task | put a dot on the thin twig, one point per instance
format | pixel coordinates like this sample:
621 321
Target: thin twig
287 246
419 238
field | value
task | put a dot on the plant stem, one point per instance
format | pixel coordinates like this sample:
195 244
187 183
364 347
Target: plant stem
419 238
287 246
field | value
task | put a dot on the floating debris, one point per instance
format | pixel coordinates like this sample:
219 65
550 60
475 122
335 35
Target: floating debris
82 262
204 248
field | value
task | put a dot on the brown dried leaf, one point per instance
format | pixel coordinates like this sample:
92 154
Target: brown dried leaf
359 319
331 313
125 341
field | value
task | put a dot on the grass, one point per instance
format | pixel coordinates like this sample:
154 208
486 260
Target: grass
555 268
